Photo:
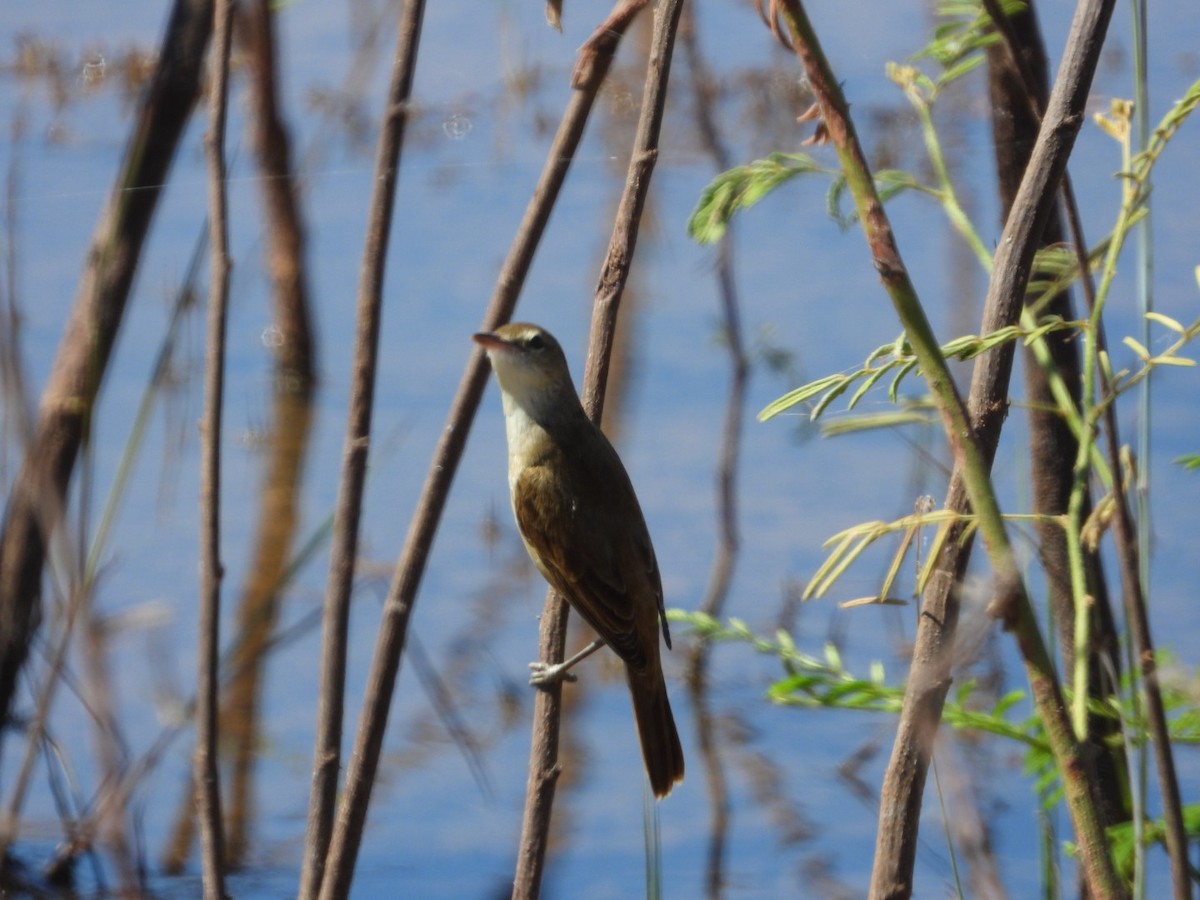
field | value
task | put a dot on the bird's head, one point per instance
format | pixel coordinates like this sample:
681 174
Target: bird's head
529 365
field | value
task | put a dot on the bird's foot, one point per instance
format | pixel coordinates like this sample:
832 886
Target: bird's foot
542 673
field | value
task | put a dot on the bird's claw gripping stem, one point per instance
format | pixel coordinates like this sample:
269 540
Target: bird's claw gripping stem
543 673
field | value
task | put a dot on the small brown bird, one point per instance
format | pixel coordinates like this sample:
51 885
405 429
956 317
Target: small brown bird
582 525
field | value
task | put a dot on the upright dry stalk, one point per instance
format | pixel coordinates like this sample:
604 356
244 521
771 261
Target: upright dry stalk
393 630
335 622
543 757
208 793
1138 621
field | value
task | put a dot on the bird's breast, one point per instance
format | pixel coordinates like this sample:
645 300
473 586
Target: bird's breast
528 442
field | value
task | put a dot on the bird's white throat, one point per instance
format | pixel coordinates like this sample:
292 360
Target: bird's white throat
529 393
525 437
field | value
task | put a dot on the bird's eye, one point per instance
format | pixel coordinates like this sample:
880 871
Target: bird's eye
535 342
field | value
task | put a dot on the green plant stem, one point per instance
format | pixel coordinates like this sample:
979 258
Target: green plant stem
906 78
1131 546
961 223
1087 444
1090 458
1139 169
1076 561
1012 602
1145 301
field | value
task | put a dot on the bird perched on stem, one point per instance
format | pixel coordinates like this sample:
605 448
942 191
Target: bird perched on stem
582 525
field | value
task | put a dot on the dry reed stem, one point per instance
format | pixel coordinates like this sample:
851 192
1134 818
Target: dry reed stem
929 675
543 757
205 762
335 622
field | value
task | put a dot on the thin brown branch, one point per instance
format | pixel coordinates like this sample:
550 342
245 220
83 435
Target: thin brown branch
205 768
360 775
335 623
1138 623
617 23
1136 616
617 262
543 757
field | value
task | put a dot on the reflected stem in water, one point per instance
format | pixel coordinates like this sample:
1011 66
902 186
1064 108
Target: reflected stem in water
704 97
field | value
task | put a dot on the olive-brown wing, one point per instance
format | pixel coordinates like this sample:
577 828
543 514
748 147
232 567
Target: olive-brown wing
598 559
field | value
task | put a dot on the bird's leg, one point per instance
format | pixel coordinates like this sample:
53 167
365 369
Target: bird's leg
546 673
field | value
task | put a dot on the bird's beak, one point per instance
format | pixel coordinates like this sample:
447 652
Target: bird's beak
489 341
